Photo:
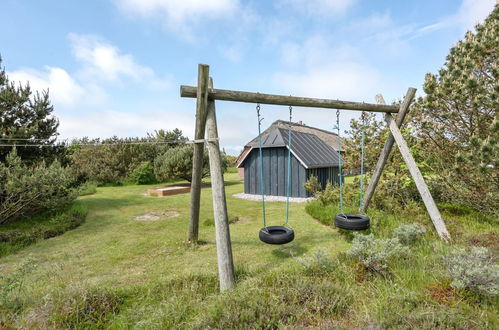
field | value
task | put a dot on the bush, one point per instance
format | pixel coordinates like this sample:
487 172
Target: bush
328 196
25 190
176 164
84 308
111 161
277 300
319 263
375 253
323 213
475 270
87 189
17 235
408 234
312 185
143 174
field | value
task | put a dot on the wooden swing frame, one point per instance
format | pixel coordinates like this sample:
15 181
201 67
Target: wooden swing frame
206 123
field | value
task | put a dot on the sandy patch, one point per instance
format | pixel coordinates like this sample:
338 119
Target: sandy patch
157 215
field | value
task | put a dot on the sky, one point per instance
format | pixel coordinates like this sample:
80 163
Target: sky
114 67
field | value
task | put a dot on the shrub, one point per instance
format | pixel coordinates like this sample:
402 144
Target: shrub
112 160
408 234
324 213
327 196
474 269
26 190
80 308
143 174
87 189
319 263
277 300
17 235
312 185
176 163
375 253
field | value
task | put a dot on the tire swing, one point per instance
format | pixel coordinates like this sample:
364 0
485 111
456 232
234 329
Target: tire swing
351 221
275 234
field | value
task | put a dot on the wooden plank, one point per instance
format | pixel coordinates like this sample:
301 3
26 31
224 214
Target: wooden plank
431 207
383 157
197 159
249 97
222 232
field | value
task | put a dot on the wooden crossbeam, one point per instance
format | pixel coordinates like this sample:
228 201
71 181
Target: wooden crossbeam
249 97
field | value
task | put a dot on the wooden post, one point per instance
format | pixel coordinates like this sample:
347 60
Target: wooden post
197 159
222 232
383 157
435 216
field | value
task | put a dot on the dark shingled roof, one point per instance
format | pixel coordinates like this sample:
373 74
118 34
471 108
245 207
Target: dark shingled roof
310 150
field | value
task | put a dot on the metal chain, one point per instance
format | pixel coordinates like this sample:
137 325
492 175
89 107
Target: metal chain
361 190
262 188
288 192
339 159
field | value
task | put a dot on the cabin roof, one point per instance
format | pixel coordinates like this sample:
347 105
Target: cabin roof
309 149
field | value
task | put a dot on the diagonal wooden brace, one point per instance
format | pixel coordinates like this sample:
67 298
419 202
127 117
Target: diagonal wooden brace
431 207
383 157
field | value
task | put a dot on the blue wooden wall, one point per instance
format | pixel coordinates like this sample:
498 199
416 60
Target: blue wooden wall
275 166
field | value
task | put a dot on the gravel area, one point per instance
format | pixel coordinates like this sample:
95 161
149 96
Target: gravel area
272 198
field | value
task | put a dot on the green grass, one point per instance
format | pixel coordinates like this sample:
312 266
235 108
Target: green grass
87 189
17 235
116 272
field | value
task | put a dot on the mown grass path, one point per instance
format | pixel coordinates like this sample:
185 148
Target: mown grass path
111 248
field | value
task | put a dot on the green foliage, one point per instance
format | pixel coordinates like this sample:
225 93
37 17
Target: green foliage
324 213
408 234
278 300
12 286
374 138
83 308
143 174
111 161
17 235
474 269
176 163
319 263
230 160
312 185
25 115
375 253
329 195
87 189
457 123
27 190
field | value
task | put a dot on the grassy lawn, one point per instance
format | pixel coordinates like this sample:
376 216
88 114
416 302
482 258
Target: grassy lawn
117 272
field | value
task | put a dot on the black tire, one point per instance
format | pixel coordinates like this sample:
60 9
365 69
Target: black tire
351 221
276 235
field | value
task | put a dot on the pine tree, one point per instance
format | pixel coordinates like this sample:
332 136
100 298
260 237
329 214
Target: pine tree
26 115
457 122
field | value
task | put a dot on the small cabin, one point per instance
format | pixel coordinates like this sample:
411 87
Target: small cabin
310 156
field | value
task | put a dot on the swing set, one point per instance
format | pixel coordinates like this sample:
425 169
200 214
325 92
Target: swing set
206 123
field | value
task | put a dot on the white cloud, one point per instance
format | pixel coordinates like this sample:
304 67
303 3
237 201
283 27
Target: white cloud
319 7
179 15
123 124
63 89
472 12
104 61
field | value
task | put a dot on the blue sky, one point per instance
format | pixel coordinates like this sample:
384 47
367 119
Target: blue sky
114 67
